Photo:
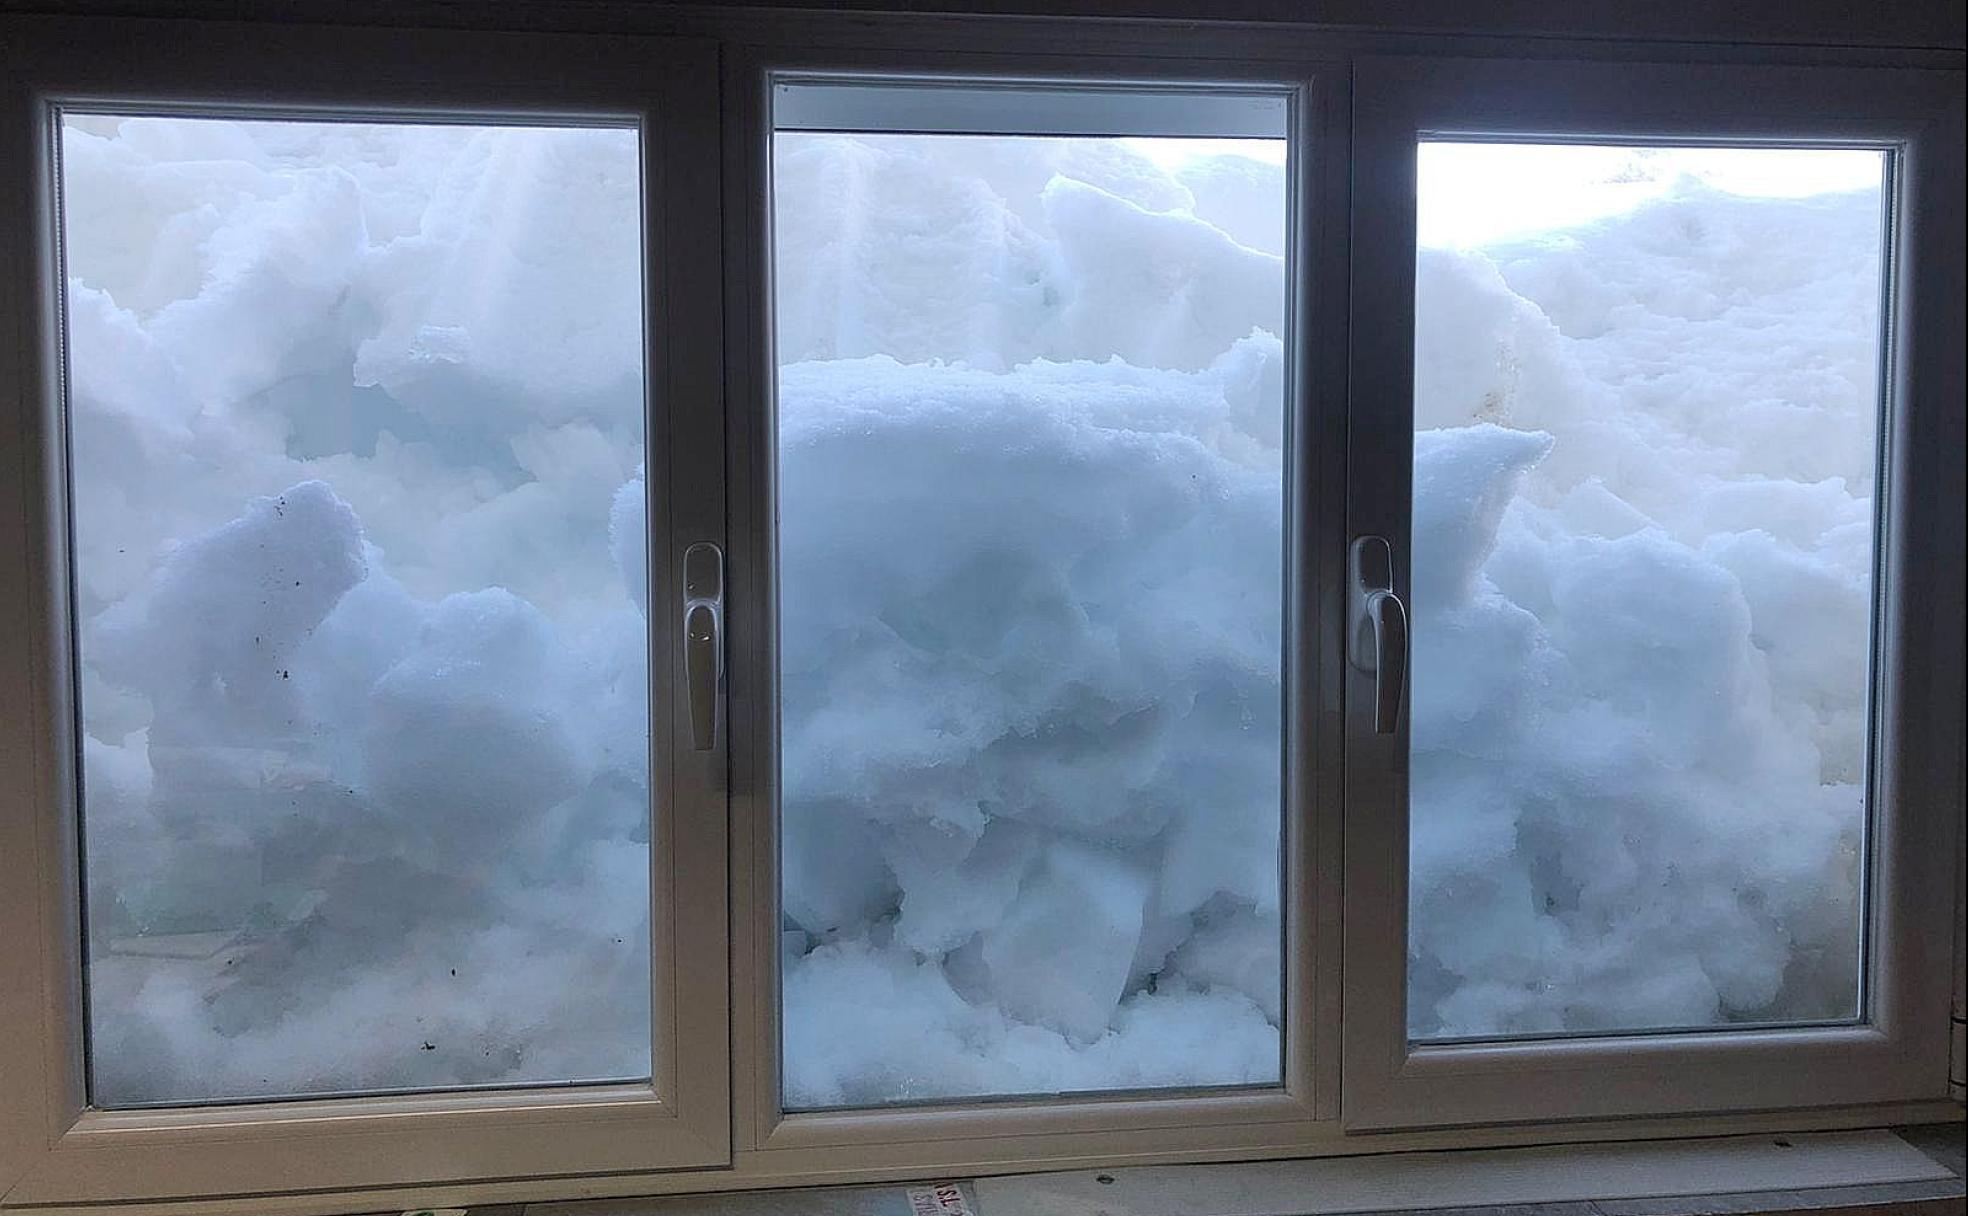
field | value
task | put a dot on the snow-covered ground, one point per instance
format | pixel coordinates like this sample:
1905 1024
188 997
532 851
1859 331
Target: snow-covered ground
357 435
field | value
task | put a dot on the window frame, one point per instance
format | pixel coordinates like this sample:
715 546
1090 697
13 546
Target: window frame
70 1153
1286 1117
766 1147
1899 1050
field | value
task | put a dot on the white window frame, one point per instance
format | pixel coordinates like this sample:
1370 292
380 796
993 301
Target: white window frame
53 1147
1051 93
1898 1050
710 77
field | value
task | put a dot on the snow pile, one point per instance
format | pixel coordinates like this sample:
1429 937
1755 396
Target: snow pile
1641 617
366 773
358 451
1031 723
1031 407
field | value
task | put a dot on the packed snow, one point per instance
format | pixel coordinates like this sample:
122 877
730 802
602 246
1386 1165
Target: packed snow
357 442
363 687
1642 592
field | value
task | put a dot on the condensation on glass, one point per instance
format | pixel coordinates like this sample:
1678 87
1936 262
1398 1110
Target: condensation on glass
1647 402
355 420
1031 468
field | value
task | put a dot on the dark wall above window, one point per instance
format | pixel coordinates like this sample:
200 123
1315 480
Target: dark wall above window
1912 24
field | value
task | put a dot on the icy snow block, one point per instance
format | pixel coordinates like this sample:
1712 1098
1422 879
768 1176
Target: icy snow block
1484 354
520 297
140 208
369 632
882 249
274 286
1158 289
946 902
1239 953
468 737
1060 956
119 369
1464 478
1243 196
211 638
834 875
945 655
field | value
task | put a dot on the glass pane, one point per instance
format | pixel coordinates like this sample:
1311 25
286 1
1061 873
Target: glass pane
1031 492
356 423
1647 399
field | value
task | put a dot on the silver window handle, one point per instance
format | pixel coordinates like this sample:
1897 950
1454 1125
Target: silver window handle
1377 633
703 639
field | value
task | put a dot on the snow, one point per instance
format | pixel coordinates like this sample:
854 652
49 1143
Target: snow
1641 610
365 767
359 522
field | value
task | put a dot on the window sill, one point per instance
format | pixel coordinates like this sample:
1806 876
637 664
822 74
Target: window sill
1908 1172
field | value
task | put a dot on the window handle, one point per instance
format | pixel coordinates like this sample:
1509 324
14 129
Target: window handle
703 639
1377 639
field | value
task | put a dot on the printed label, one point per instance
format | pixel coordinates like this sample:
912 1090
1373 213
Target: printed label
939 1199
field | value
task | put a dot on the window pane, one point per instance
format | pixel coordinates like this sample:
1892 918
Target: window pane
1031 468
1647 396
356 415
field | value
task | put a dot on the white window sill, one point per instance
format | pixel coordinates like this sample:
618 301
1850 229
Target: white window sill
1820 1172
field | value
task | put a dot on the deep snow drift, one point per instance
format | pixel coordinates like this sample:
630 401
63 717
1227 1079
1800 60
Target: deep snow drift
365 782
1642 586
1031 482
357 446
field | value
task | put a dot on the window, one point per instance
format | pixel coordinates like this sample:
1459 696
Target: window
372 819
355 443
812 602
1645 769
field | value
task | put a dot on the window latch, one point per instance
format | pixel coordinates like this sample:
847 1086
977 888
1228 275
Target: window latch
703 639
1377 627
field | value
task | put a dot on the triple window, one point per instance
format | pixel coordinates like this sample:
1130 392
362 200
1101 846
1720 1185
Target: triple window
892 619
